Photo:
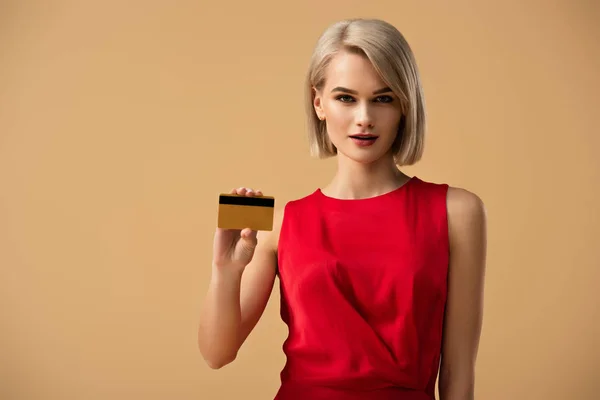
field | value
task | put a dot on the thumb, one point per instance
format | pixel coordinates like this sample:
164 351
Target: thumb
248 234
248 240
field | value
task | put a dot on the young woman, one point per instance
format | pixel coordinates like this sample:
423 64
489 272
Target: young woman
381 274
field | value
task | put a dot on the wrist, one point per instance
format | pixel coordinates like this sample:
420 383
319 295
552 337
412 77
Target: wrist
226 273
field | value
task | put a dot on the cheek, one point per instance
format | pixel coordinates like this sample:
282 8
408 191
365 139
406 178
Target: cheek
389 120
338 117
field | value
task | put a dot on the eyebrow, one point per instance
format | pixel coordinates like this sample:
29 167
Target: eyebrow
346 90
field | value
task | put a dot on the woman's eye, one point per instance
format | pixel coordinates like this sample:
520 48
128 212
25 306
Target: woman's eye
344 98
384 99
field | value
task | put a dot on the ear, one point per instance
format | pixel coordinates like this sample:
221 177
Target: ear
318 103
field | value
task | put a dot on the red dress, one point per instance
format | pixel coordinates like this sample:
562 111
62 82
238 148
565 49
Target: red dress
363 291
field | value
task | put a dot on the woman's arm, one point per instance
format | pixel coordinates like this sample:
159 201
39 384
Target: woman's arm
464 309
235 301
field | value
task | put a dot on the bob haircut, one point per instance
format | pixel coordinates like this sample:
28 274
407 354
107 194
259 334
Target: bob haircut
391 56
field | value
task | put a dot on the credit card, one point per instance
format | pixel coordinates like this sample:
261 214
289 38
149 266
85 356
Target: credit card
239 212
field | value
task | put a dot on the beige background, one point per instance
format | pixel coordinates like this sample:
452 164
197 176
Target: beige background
120 122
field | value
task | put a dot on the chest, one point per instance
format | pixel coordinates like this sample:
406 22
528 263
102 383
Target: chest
372 253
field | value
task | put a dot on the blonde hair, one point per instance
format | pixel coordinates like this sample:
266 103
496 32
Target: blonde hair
391 56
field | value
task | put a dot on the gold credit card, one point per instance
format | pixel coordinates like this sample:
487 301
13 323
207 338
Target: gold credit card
239 212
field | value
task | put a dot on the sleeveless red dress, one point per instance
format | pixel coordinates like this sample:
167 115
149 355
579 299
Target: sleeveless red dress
363 291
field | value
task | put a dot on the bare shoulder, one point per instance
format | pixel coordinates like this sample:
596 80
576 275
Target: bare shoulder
467 219
465 207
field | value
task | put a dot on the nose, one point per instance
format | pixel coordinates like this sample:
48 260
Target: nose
363 116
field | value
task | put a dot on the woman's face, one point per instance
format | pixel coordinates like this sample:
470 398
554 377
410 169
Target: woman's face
361 113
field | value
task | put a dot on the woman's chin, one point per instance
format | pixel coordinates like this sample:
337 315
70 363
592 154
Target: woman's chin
362 156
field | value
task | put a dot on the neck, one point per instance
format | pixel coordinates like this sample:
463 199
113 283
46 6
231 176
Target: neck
354 180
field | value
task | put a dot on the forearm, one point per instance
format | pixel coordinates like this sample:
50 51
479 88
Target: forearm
219 330
457 386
